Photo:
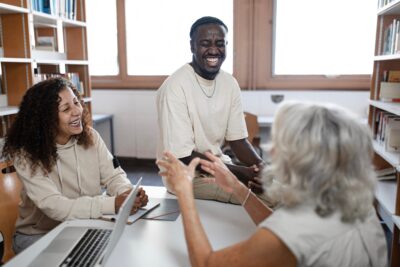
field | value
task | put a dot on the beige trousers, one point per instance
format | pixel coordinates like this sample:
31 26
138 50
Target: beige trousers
211 191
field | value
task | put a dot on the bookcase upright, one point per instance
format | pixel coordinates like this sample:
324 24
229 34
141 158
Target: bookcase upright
23 59
385 60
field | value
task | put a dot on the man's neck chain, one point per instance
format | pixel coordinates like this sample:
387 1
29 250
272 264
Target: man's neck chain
203 90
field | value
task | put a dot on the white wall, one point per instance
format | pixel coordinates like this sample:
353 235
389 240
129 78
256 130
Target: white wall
135 114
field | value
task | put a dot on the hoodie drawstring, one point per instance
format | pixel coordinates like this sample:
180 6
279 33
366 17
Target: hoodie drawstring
59 172
78 171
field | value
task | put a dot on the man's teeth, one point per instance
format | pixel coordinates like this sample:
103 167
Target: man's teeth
212 59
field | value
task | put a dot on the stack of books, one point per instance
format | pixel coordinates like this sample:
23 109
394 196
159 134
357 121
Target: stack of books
386 174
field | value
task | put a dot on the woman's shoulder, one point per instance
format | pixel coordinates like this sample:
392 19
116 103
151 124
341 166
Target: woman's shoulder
93 132
23 166
300 216
94 136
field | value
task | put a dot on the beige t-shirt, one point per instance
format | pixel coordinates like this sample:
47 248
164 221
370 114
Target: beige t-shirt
195 114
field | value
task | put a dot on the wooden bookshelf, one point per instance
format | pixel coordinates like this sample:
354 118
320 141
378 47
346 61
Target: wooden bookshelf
21 56
387 192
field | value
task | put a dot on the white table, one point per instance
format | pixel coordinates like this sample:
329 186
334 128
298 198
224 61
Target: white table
161 243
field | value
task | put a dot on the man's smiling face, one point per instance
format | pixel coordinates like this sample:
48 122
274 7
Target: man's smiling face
208 49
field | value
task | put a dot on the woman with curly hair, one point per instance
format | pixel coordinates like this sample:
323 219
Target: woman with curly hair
62 162
322 179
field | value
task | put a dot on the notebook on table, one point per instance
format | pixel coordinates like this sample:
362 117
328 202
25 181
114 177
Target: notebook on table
86 246
152 204
168 210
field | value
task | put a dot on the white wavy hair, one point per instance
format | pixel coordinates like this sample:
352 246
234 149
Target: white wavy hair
321 154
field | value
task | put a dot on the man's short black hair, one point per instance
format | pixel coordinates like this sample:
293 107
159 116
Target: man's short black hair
206 20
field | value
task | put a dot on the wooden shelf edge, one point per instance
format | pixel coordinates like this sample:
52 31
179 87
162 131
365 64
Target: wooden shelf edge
73 23
387 57
391 157
9 110
390 9
44 19
10 9
76 62
387 106
15 60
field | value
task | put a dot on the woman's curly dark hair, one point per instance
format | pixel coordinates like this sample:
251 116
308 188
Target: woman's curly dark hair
32 135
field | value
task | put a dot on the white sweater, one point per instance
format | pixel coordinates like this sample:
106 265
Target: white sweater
72 190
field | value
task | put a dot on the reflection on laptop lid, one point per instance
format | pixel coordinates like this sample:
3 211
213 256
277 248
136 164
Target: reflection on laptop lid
73 245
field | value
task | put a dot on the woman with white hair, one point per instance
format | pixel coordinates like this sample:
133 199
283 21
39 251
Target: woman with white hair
322 180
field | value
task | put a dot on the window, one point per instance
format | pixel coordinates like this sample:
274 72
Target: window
315 42
158 41
102 37
269 45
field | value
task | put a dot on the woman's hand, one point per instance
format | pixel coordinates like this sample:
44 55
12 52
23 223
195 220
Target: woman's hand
222 175
140 201
178 175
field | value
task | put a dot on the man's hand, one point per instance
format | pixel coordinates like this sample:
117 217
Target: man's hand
222 176
249 176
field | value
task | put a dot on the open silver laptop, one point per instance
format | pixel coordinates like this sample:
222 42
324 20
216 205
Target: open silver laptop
86 246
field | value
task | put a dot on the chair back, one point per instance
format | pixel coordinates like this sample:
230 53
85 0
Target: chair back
253 128
10 188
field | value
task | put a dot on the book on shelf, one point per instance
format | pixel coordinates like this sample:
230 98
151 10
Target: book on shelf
68 9
389 91
393 76
381 118
382 3
62 8
2 88
5 124
391 38
45 6
387 177
389 87
386 174
383 130
387 131
72 76
392 134
46 43
386 171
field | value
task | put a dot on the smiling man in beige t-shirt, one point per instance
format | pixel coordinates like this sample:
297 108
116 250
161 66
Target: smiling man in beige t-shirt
199 107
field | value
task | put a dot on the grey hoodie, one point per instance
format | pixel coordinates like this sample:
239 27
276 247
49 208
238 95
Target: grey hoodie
72 190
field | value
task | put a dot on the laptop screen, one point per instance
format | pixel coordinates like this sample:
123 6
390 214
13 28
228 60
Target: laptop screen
120 222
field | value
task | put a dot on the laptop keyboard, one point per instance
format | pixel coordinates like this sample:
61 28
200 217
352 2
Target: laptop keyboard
88 249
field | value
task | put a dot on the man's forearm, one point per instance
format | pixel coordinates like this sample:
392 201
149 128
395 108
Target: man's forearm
238 172
245 152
